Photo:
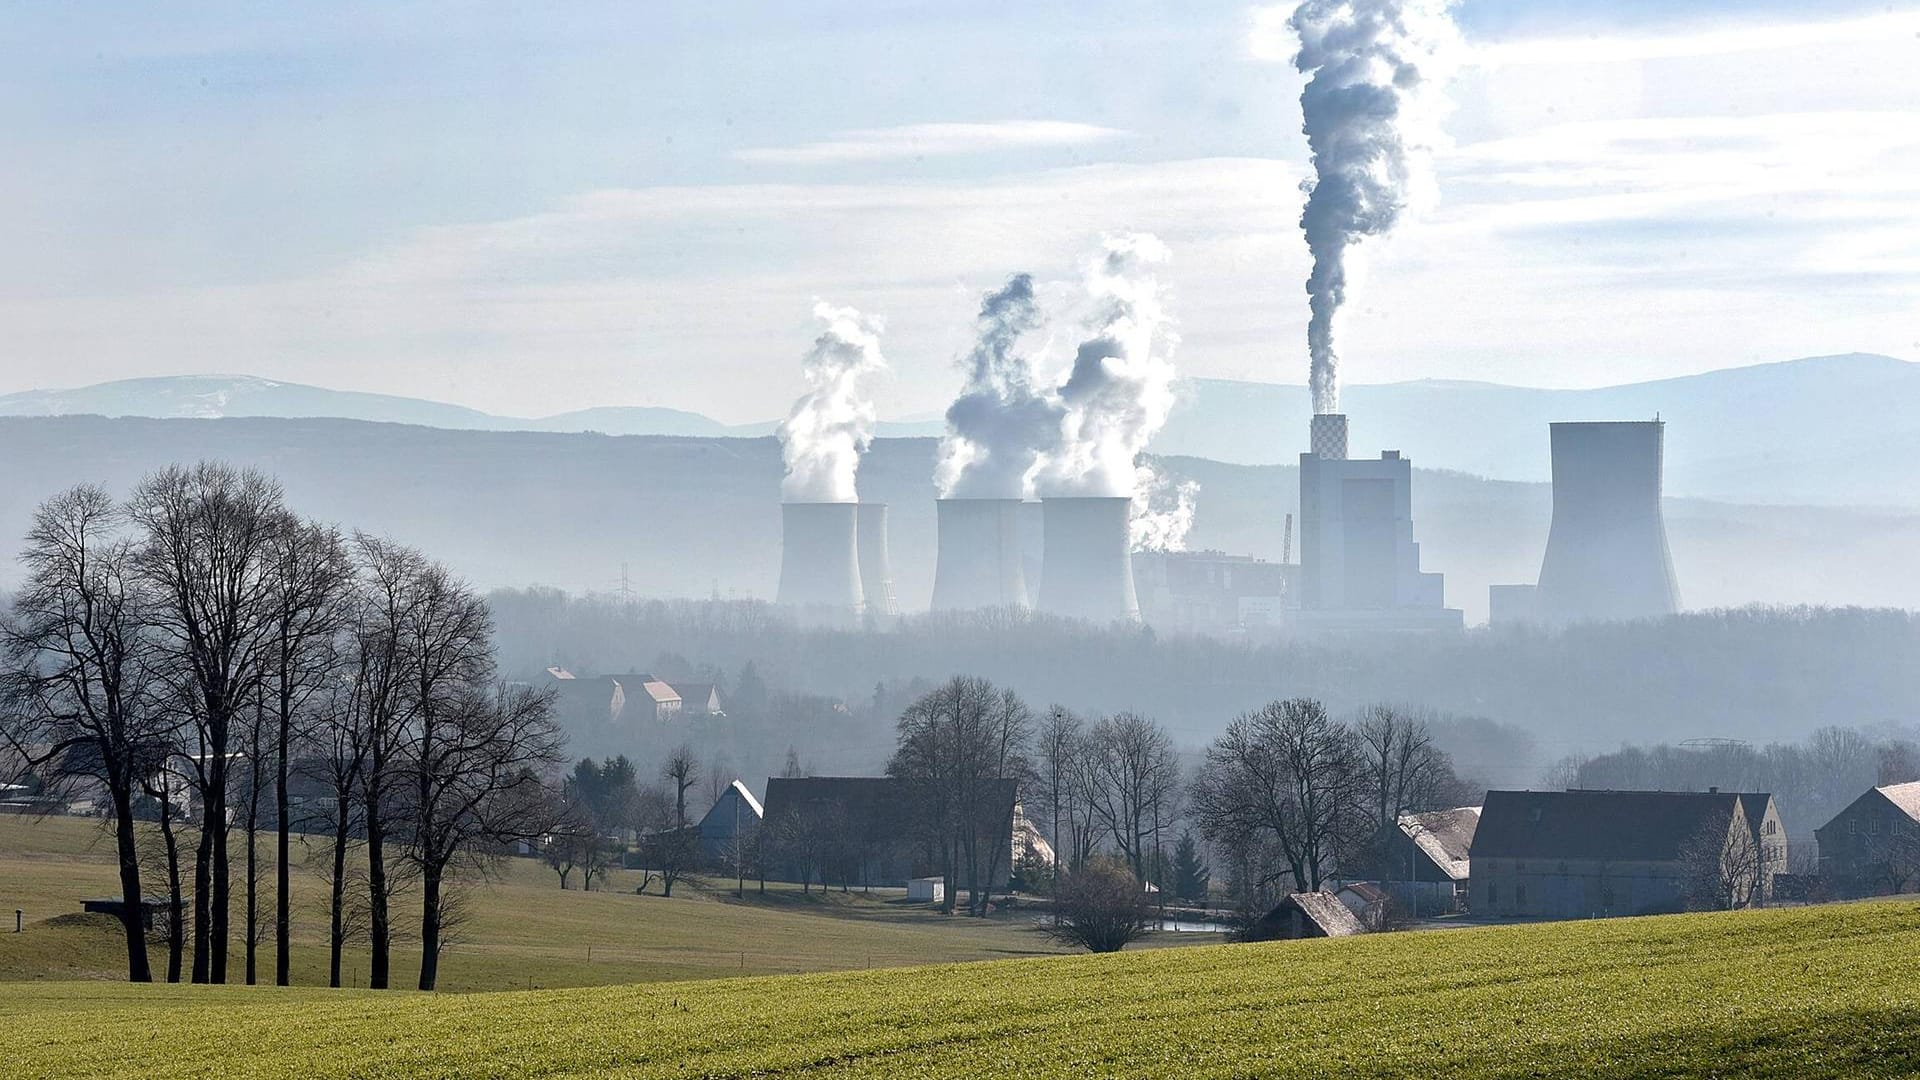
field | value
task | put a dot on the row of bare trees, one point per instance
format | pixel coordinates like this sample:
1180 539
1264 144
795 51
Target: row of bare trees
1289 792
199 644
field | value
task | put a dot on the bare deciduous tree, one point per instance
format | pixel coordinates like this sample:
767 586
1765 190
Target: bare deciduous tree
209 531
78 688
958 748
1287 776
1135 777
1100 907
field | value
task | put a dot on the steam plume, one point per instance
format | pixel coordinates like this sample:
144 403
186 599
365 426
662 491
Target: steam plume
832 423
1162 513
1002 422
1370 116
1120 390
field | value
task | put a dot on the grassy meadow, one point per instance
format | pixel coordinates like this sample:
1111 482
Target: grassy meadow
520 929
1799 993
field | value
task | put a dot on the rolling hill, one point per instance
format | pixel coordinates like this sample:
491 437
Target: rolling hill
1834 430
1805 993
683 516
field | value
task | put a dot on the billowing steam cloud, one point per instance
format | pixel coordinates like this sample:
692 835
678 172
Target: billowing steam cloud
1370 115
1162 513
1120 390
832 423
1002 422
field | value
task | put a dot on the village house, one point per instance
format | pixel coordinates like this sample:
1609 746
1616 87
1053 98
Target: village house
1872 848
1307 915
1423 859
733 821
1585 854
867 830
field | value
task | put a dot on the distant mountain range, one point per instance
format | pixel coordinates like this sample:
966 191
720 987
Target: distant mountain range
1830 430
692 516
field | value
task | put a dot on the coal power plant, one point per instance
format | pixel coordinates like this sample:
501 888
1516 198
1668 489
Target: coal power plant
876 568
978 562
820 561
1359 563
1607 556
1086 563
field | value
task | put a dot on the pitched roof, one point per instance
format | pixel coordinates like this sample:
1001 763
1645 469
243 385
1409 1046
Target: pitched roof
1444 836
1904 796
1324 910
1636 825
653 688
872 807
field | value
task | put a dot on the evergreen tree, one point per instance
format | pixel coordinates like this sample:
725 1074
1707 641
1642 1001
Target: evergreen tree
1191 877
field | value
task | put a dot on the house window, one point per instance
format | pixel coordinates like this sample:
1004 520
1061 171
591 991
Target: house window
1768 828
1493 894
1520 896
1873 826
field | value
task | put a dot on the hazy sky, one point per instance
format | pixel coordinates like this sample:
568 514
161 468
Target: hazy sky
563 205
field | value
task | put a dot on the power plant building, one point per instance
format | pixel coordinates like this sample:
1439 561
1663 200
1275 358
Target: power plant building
1360 565
820 562
1086 566
980 558
1607 555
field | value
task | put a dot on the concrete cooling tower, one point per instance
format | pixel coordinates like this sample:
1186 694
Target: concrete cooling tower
978 563
1086 567
820 561
1607 552
876 569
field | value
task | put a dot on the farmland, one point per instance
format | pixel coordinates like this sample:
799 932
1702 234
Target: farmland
520 929
1812 992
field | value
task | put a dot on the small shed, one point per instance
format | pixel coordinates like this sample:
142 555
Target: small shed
927 890
1367 901
115 906
1308 915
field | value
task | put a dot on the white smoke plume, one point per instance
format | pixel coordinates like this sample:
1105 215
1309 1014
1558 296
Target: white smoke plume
832 423
1002 421
1162 513
1121 387
1370 111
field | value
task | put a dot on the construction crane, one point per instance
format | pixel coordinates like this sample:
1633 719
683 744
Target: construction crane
1286 545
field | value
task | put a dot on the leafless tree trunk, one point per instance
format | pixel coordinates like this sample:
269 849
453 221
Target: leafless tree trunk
1286 775
1134 775
310 575
78 682
252 932
208 531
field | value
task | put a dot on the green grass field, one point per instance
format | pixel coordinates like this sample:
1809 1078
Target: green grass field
1812 992
521 931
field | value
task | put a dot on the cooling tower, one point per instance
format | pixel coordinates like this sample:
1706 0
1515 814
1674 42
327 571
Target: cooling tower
978 564
876 571
1086 566
1607 552
820 560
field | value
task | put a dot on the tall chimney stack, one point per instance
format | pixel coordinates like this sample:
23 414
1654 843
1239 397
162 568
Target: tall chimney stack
1086 565
1607 555
1328 436
820 561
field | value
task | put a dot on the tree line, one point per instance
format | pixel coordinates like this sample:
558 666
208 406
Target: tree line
1289 793
197 649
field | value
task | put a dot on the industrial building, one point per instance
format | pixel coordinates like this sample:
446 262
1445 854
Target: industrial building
1209 591
1607 556
1359 563
1086 564
980 559
820 580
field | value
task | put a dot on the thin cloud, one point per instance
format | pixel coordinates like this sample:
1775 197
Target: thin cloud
931 140
1601 49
